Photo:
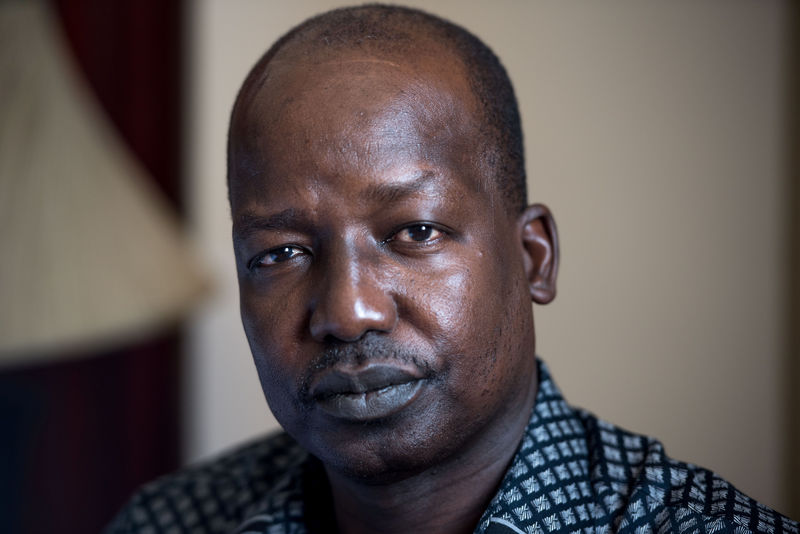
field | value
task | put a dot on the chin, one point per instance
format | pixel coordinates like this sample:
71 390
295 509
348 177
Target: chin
385 452
378 452
378 469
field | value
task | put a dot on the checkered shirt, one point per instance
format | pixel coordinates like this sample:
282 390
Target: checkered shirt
572 473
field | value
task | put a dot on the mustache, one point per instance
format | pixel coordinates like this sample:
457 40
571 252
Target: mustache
371 347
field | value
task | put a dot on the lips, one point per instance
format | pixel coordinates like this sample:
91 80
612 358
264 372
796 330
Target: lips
366 393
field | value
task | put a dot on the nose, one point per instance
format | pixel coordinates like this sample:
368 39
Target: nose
349 302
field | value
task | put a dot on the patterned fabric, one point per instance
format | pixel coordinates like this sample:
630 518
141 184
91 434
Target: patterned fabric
572 473
575 473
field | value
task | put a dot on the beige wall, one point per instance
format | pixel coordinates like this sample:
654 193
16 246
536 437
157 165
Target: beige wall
654 132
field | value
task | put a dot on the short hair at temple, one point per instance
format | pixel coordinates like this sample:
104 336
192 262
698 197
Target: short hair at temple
391 28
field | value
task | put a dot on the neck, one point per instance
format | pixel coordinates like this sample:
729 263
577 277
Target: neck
448 498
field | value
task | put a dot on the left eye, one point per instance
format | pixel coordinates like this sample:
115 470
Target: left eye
418 233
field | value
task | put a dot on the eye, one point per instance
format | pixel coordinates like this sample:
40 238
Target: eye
418 233
278 255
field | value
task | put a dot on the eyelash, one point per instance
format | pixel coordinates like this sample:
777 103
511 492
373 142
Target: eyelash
425 226
434 229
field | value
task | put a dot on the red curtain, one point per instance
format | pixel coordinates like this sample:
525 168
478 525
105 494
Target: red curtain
79 436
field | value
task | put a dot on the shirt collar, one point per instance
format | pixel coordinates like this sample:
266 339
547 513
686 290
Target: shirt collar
547 484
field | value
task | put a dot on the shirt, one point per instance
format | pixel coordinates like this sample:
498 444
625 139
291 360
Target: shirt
572 473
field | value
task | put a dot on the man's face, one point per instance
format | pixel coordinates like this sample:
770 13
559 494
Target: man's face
381 276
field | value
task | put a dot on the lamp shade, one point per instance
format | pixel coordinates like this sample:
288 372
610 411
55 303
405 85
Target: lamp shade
90 253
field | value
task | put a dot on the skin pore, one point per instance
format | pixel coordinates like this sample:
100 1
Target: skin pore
385 284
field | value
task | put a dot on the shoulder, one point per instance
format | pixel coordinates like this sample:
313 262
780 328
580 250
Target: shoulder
213 496
643 487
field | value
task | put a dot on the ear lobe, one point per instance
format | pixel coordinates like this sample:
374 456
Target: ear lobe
539 240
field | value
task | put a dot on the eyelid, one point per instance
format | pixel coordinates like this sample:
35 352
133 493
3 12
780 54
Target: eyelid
442 231
257 260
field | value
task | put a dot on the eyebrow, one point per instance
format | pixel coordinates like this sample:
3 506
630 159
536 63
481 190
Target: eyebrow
392 192
248 223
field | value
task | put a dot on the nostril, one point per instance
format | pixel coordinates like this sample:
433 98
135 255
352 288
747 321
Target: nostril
332 340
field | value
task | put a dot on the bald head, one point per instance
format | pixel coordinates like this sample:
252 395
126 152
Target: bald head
392 36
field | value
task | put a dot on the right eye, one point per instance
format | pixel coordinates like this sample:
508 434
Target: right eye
278 255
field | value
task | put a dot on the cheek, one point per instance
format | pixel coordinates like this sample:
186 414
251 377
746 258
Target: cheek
465 303
261 325
272 314
270 325
481 313
466 306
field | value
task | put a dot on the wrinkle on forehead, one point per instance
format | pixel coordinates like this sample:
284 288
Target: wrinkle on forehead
419 54
358 94
384 106
367 60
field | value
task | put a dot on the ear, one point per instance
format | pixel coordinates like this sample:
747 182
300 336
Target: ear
539 239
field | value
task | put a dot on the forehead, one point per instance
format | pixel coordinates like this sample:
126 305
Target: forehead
420 64
360 107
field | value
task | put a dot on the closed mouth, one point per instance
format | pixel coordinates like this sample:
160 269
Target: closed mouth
366 393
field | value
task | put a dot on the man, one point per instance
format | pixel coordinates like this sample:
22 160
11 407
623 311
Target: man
386 261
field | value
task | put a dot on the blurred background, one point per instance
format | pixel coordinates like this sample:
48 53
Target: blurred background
663 135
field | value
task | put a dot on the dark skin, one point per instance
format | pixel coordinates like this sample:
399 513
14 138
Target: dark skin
385 283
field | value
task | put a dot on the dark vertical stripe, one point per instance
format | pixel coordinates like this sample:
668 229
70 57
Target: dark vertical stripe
791 385
80 435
